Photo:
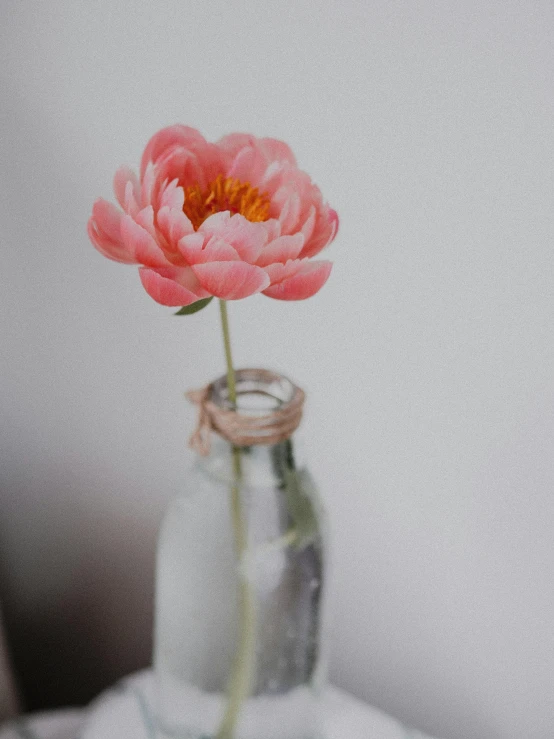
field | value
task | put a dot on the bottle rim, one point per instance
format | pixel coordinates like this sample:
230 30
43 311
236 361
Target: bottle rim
259 391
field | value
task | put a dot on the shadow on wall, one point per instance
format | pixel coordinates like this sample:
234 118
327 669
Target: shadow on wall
76 545
78 607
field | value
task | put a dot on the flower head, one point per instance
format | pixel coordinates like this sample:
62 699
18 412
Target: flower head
227 220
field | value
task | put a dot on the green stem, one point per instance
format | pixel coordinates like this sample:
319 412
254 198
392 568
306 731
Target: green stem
240 682
231 384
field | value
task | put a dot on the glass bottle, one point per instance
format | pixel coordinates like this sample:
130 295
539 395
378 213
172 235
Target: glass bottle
239 617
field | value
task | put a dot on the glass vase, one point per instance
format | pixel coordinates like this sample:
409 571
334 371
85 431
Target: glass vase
239 618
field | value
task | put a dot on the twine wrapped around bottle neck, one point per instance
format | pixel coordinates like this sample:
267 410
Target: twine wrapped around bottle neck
245 429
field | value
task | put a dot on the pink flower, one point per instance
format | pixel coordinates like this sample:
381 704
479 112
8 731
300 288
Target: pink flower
227 220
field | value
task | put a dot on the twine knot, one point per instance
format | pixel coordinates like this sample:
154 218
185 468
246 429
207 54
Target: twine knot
242 429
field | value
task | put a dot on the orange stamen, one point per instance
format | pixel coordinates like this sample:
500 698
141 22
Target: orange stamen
225 193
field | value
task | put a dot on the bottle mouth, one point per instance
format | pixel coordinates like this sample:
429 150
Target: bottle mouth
268 410
259 392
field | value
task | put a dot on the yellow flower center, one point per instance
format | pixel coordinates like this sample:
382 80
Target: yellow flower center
225 193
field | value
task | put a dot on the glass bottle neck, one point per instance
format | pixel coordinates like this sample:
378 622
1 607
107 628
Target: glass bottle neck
269 407
261 465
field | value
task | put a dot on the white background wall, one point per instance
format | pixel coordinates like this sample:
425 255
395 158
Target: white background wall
428 357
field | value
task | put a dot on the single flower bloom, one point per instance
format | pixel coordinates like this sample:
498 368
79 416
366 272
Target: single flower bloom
227 220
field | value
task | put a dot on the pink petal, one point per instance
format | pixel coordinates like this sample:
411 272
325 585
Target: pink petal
281 250
172 285
210 160
246 238
285 205
181 165
173 224
147 185
108 219
334 217
325 230
309 224
248 166
306 282
273 228
195 251
177 135
141 245
131 203
283 176
273 177
231 144
215 224
172 195
120 180
106 246
145 218
231 280
278 272
190 245
271 149
276 150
